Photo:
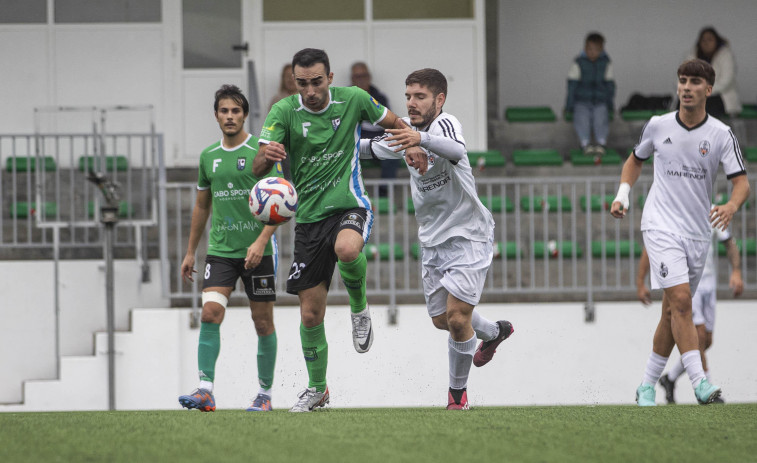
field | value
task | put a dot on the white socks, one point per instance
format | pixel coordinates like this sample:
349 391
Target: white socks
655 366
460 360
486 330
692 362
207 385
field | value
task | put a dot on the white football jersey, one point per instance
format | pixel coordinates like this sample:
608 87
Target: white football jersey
685 166
445 198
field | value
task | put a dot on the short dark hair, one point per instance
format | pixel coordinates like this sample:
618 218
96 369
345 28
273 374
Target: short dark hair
697 68
233 93
595 37
430 78
310 56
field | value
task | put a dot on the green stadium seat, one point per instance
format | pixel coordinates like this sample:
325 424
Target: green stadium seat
748 111
751 247
624 247
598 203
381 251
568 116
537 157
381 205
483 159
578 158
124 209
640 114
538 203
415 250
410 206
24 209
496 205
750 153
553 249
510 249
87 163
29 163
530 114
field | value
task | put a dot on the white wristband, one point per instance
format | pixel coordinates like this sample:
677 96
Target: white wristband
622 196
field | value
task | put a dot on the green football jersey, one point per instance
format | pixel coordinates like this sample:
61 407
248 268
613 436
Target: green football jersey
323 150
228 175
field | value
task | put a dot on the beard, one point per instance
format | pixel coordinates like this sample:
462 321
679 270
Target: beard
426 117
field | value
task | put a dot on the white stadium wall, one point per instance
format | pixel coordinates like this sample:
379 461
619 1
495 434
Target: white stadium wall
553 358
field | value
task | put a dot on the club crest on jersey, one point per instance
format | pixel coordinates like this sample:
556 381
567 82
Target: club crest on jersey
704 147
335 123
240 163
663 270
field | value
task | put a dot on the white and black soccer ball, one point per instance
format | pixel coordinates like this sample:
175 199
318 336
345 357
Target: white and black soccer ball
273 200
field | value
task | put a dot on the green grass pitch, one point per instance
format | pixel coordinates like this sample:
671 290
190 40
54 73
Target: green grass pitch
503 434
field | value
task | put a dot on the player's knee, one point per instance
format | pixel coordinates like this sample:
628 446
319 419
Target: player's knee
263 321
456 323
213 306
440 322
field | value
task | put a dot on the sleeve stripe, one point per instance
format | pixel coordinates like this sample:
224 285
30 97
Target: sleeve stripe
449 130
737 150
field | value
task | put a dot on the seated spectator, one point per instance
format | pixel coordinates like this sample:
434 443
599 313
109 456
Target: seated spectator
286 85
714 49
591 94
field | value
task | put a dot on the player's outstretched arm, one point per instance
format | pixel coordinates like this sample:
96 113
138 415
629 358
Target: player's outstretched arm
721 216
414 158
255 250
200 215
629 175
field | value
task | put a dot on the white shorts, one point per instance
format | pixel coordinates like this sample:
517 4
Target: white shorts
674 260
703 308
458 267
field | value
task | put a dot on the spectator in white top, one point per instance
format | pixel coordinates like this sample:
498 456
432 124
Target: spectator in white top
715 49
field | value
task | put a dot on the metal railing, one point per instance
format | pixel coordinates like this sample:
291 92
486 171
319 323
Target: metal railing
554 240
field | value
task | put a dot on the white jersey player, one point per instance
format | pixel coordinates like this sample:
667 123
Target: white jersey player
702 304
456 231
688 146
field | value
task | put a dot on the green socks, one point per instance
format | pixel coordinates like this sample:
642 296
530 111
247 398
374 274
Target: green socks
315 349
266 360
353 276
208 349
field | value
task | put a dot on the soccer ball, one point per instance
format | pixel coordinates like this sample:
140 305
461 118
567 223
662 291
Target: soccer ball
273 201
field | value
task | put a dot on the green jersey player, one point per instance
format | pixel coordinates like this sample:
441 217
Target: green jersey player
318 133
224 184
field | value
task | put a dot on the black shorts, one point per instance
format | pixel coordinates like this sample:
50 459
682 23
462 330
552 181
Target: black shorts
259 282
314 256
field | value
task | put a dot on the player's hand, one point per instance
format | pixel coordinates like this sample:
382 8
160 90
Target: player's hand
642 292
402 139
417 158
187 268
617 210
275 152
720 216
736 283
254 255
620 204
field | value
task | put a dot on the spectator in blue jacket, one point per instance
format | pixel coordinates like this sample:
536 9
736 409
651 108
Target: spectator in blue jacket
591 94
